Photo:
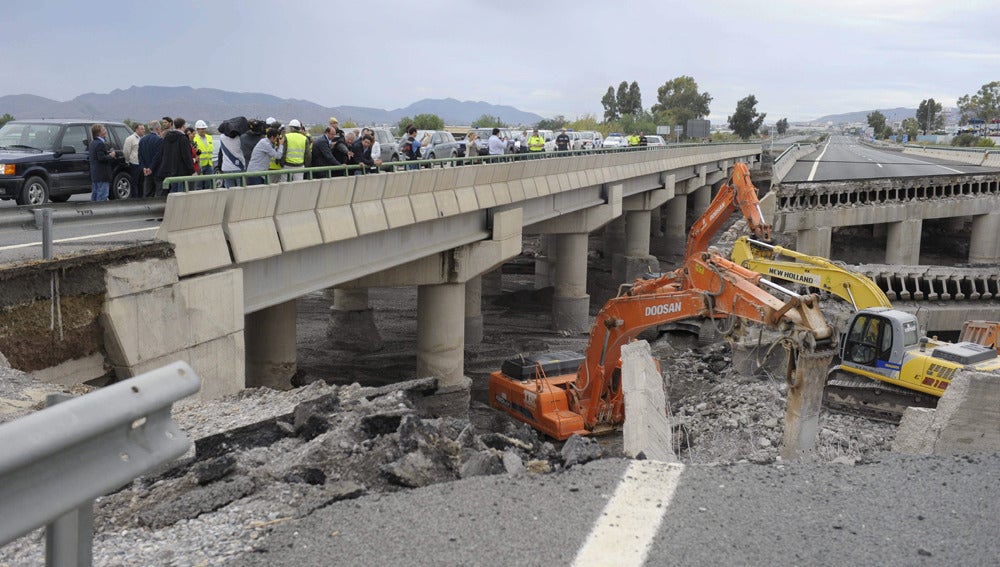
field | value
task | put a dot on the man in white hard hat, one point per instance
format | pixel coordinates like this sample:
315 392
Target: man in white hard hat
206 149
297 151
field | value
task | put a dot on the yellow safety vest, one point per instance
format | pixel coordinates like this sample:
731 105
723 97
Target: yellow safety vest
536 144
206 147
295 149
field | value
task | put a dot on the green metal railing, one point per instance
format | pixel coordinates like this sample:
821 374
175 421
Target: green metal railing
310 173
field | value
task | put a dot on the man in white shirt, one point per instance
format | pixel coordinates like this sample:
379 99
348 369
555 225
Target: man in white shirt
131 150
495 144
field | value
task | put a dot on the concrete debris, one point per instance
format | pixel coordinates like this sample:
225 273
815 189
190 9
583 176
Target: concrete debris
967 419
646 429
194 503
579 450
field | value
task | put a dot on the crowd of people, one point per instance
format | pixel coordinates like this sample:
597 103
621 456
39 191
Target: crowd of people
169 147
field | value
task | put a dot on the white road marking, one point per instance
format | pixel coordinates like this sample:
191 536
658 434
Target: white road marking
948 168
76 238
812 173
630 520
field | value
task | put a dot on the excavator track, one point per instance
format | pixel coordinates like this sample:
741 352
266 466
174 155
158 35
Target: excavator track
871 399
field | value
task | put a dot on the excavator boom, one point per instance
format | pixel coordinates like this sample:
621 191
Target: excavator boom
857 289
738 193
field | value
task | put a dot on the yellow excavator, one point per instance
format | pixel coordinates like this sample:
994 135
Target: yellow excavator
885 365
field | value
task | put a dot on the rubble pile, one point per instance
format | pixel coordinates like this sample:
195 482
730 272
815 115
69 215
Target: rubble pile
724 416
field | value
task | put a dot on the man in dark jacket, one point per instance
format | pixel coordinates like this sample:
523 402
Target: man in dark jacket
100 163
322 152
149 150
341 151
175 158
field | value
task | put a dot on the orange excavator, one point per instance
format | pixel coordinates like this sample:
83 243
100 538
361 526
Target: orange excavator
543 390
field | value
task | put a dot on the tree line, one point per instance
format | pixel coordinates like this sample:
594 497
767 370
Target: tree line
981 108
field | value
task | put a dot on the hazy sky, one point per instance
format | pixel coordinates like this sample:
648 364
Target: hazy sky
801 59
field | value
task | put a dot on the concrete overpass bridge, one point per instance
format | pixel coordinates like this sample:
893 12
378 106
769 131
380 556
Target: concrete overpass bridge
225 301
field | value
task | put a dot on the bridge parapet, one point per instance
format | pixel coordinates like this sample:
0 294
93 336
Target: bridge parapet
320 211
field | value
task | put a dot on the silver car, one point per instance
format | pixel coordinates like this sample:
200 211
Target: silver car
442 145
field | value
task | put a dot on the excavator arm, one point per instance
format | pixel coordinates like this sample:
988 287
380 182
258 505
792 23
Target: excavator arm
738 193
760 257
715 288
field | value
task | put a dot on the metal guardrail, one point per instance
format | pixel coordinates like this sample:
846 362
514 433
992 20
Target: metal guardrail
55 461
784 153
84 211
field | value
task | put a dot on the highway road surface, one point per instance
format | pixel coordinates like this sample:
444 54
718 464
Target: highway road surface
844 157
898 511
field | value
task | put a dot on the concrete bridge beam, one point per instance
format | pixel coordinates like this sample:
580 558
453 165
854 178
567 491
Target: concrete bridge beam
903 242
984 247
441 344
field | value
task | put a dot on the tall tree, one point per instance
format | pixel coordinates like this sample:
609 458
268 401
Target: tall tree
929 115
622 98
984 105
746 120
422 122
611 112
555 123
678 101
911 127
877 121
487 121
782 125
634 99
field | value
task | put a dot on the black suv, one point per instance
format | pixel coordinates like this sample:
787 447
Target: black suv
46 160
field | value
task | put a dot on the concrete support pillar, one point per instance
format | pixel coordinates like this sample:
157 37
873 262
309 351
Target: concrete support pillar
814 241
441 344
352 321
984 247
270 346
492 282
879 230
474 311
614 242
702 199
544 262
903 242
674 227
570 302
636 260
956 224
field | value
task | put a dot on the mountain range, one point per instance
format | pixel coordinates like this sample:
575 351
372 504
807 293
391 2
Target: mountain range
891 115
214 105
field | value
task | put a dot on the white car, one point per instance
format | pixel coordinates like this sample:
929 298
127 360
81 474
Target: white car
615 141
655 140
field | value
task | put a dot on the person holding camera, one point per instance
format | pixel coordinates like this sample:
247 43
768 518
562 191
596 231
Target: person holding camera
268 148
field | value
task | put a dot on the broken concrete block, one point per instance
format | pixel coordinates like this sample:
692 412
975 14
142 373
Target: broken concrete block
579 450
646 429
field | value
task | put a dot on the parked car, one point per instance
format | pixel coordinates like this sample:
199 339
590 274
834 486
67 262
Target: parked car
483 138
586 140
46 160
655 140
388 145
615 141
442 145
550 139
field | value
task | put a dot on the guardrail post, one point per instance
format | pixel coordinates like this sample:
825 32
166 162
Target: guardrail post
43 221
69 539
